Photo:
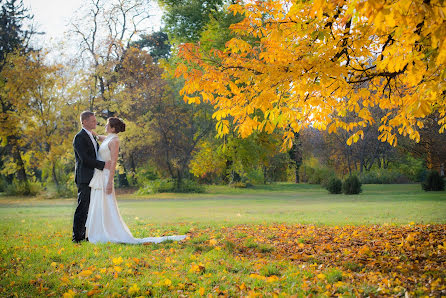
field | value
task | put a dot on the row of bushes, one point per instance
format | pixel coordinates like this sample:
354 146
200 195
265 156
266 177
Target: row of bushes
170 185
351 185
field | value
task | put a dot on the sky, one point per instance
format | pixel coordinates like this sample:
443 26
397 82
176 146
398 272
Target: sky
53 16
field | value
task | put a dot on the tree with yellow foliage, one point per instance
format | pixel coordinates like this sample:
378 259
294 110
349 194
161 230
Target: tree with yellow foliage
295 64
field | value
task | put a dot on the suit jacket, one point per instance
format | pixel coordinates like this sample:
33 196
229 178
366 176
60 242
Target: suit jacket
85 154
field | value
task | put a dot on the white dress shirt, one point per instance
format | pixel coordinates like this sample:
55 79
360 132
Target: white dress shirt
92 140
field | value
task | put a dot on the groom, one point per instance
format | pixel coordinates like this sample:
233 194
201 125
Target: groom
85 151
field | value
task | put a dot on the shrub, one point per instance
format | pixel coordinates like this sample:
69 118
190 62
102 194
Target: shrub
240 185
190 186
19 188
334 185
144 175
351 185
66 190
3 184
314 173
383 176
170 185
433 182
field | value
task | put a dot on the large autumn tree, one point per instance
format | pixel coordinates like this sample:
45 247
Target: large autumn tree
295 64
14 50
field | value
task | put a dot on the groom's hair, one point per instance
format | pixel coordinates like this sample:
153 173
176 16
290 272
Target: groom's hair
85 115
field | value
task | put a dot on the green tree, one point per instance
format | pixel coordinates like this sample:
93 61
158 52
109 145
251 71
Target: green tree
157 44
185 20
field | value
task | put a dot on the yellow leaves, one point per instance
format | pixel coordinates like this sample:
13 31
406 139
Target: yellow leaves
207 97
272 278
257 276
302 82
238 46
201 291
69 294
86 273
355 137
236 9
180 70
441 58
134 289
332 128
222 127
365 250
321 276
94 291
197 268
117 261
411 237
191 100
317 8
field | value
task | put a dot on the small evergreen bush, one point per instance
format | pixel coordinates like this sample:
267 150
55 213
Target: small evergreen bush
334 185
433 182
351 185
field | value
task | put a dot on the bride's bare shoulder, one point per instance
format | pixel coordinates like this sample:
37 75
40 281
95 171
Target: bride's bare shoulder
114 141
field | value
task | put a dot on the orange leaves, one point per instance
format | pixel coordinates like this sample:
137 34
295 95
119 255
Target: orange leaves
336 258
236 45
317 77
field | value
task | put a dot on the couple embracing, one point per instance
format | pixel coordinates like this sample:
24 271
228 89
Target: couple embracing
97 218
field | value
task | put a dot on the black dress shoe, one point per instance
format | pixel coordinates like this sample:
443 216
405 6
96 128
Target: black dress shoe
79 240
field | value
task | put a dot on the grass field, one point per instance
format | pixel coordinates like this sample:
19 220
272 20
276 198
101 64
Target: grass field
270 240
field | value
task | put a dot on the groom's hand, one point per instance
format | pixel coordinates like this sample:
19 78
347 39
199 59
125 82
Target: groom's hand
107 165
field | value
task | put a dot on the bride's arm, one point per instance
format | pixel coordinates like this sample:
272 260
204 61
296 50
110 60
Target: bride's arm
114 152
100 137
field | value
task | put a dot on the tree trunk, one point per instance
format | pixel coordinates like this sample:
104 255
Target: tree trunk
21 173
296 156
55 175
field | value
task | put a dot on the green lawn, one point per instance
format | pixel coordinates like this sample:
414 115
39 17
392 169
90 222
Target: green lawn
277 239
288 203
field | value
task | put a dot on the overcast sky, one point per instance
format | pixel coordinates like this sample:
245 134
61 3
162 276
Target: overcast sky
53 16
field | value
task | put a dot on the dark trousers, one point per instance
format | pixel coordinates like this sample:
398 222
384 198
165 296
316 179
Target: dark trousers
80 215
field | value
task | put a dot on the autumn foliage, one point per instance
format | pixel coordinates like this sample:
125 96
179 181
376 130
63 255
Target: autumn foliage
296 64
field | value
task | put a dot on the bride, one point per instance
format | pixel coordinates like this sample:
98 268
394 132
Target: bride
104 222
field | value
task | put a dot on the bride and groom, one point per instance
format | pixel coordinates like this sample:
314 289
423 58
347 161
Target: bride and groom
97 218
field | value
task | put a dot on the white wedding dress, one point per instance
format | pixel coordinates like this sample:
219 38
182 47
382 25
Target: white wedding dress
104 222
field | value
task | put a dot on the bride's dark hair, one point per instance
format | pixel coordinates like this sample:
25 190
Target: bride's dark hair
117 124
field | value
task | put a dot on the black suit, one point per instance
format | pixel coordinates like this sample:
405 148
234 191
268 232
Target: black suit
86 162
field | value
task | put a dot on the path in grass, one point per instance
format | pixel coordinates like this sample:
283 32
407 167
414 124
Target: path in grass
279 239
